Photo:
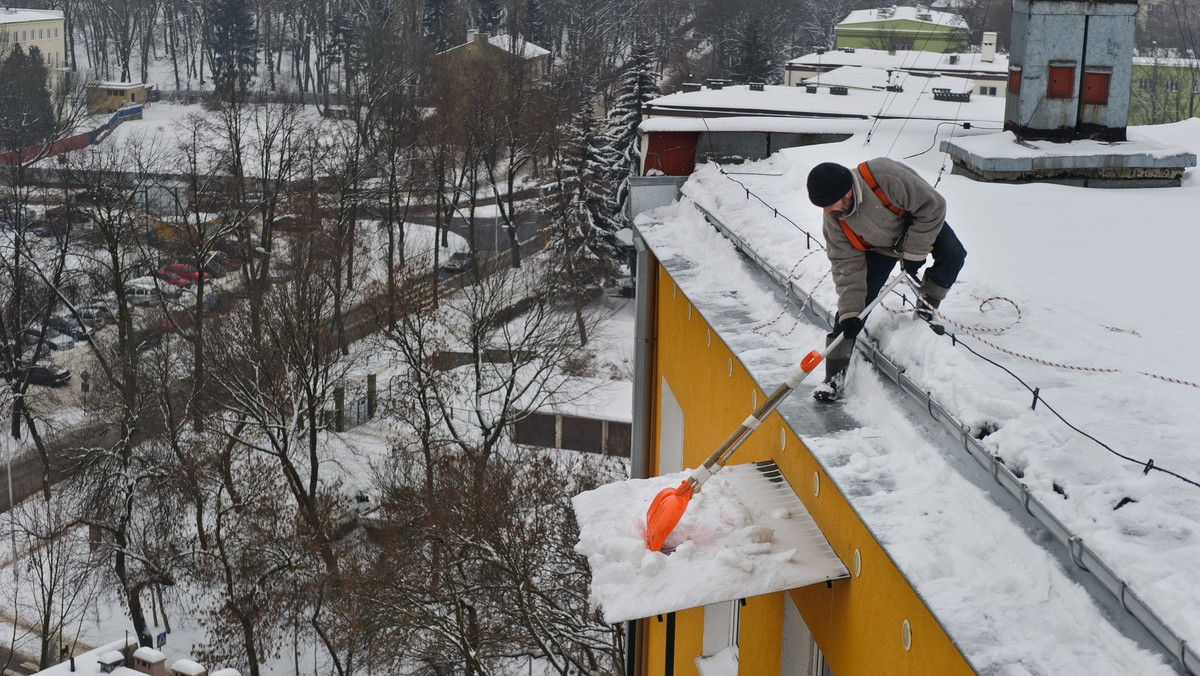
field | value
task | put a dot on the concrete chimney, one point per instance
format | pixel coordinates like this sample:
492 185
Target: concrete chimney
987 48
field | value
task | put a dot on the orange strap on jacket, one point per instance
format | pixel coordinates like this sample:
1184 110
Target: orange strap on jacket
856 241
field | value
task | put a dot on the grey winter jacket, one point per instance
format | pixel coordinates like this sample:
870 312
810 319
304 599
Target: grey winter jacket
878 226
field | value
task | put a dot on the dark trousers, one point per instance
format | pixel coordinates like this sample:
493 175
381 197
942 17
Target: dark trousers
948 256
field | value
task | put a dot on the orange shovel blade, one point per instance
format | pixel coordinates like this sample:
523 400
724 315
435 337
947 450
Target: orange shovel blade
665 511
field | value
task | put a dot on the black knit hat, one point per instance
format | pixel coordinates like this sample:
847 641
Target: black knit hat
828 182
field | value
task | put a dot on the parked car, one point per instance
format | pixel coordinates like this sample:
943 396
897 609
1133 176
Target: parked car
55 340
225 260
182 270
137 294
215 300
50 227
179 320
47 375
215 270
173 279
72 327
107 304
455 264
96 315
73 216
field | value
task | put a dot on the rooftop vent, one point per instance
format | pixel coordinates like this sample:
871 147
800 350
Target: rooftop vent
820 50
839 91
811 89
848 50
925 17
953 59
941 94
756 86
691 86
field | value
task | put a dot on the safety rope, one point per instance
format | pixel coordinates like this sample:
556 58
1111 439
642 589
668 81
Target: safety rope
787 294
973 331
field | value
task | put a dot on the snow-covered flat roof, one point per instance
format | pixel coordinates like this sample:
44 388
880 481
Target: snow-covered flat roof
741 535
25 15
775 101
904 60
786 125
1081 293
898 13
860 77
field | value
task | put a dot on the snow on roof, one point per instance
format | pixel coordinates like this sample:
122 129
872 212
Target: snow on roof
112 657
149 654
1048 154
226 672
787 125
1041 297
1172 61
88 663
118 85
595 398
905 60
187 667
915 101
741 535
24 15
898 13
861 77
523 49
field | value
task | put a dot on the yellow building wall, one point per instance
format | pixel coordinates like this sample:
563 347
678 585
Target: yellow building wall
857 623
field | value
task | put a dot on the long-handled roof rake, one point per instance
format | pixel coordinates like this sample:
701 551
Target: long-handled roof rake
668 506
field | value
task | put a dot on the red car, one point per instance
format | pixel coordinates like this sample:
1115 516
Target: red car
223 259
173 279
182 270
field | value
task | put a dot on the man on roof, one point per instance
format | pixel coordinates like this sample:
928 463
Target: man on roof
875 214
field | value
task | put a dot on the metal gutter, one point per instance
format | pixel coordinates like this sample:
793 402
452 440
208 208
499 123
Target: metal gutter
643 359
1083 556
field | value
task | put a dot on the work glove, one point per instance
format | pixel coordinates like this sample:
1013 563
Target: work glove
851 326
912 267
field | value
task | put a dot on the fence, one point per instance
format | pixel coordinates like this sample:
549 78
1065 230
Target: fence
76 142
572 433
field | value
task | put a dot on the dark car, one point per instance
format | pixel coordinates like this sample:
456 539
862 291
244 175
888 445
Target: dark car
64 213
72 327
47 375
215 269
50 227
455 264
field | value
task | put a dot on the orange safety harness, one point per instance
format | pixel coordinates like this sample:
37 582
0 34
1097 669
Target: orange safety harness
856 241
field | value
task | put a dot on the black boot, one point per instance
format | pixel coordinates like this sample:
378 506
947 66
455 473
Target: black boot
836 363
930 300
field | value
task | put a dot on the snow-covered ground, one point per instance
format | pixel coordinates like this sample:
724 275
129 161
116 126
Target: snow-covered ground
1085 294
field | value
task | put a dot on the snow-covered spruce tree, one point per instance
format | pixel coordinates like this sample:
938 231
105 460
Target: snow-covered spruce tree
639 84
585 231
234 48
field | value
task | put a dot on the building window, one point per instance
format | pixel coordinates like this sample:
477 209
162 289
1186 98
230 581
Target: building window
1095 88
1173 86
1014 80
1061 84
1144 84
987 91
41 34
